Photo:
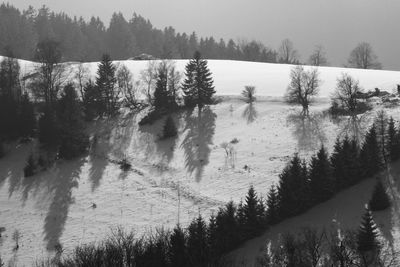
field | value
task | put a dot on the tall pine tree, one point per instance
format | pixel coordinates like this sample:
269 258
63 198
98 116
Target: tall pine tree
26 117
370 156
393 144
252 213
321 182
73 139
294 188
272 206
198 85
106 83
197 242
177 249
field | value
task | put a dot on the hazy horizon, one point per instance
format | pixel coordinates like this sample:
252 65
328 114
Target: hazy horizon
337 25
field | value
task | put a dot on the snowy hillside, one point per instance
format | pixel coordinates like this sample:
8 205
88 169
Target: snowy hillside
270 79
173 180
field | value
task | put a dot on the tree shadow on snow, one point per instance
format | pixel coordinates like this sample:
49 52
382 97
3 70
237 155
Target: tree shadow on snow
250 113
11 167
353 126
99 150
66 178
199 132
308 129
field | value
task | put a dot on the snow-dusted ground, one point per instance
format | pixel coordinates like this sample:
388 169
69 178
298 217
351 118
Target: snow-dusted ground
172 179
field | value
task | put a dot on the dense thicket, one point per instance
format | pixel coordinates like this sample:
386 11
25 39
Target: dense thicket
83 40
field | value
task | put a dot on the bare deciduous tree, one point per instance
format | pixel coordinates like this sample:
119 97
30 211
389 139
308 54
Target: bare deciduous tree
82 77
287 54
148 79
304 85
313 242
318 57
347 91
128 87
50 73
363 57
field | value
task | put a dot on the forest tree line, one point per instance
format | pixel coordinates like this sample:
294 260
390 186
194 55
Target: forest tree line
87 40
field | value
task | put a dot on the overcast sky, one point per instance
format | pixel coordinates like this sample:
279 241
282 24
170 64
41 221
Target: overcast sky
338 25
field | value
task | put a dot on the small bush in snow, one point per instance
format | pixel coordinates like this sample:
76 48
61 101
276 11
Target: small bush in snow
249 94
234 141
124 164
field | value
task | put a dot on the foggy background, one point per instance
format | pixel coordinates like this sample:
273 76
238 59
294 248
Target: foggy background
337 25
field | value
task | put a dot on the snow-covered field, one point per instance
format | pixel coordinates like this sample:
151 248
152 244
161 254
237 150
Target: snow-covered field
173 180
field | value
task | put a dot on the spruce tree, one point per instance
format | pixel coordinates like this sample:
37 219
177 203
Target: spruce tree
380 199
321 183
227 229
273 206
177 250
294 188
26 117
393 144
367 234
212 238
92 101
197 242
73 139
370 158
106 83
49 127
253 215
161 101
337 163
169 129
198 85
10 94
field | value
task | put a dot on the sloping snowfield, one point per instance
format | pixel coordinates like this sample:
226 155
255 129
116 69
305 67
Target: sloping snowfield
173 180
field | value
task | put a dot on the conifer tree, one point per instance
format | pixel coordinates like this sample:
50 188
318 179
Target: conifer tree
92 101
227 228
273 206
10 94
177 250
321 183
252 215
73 139
197 244
370 159
169 129
161 96
294 188
212 236
49 127
380 199
352 162
26 117
367 233
198 85
106 83
393 144
337 163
